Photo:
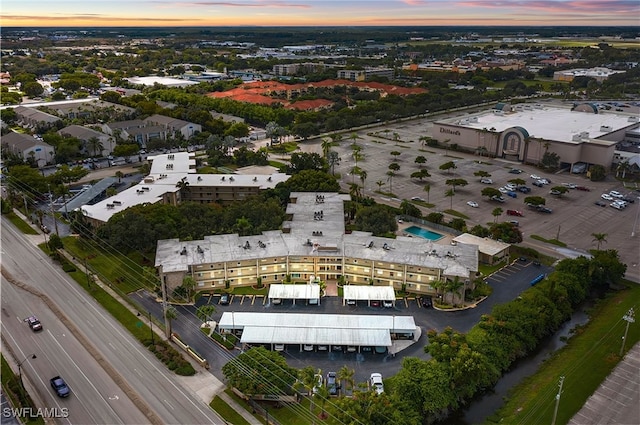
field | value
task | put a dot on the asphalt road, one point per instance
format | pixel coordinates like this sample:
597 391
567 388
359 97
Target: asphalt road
507 283
95 397
136 366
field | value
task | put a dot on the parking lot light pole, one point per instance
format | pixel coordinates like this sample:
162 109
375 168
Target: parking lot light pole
635 223
33 356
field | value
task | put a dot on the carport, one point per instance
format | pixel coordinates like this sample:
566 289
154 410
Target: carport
318 330
295 292
368 293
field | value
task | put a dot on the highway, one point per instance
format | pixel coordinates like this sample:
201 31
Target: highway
96 397
148 382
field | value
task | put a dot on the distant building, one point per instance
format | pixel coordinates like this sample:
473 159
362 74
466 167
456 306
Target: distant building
599 74
173 180
582 134
34 118
86 135
26 147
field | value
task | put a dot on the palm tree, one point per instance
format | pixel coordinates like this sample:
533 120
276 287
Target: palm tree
354 191
450 193
204 312
599 238
119 175
333 159
623 166
346 374
390 176
323 394
95 146
497 212
453 287
354 137
170 314
427 188
363 177
188 283
380 183
326 146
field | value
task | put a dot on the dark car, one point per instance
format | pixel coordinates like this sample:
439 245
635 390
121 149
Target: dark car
60 387
375 303
332 384
515 171
515 212
427 302
601 204
524 189
545 209
34 323
629 199
224 299
538 183
583 188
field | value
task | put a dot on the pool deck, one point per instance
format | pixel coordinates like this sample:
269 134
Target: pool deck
446 240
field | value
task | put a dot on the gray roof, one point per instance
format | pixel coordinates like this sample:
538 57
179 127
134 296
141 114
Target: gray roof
80 132
34 114
18 142
87 196
126 125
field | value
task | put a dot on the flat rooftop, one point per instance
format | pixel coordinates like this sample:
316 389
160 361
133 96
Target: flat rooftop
546 122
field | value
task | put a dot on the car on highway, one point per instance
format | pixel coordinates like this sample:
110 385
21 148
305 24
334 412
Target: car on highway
375 383
34 323
332 383
472 204
607 197
59 386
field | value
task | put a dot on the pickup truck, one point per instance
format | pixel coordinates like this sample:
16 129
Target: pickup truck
60 387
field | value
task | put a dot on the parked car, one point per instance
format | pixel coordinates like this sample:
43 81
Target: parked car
555 192
515 223
387 304
486 181
607 197
351 302
535 176
538 183
308 347
629 199
498 199
583 188
616 194
512 194
332 384
616 206
375 303
417 198
515 171
224 299
60 387
375 383
524 189
515 213
545 209
278 347
427 302
34 323
503 189
601 204
472 204
570 185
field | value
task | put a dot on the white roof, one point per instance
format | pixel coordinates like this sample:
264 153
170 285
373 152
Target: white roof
485 245
295 292
364 292
334 329
546 122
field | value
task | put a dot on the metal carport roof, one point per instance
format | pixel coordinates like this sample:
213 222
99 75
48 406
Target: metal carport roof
294 292
368 293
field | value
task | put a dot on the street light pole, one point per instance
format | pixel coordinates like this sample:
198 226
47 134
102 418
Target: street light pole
635 223
629 318
33 356
151 327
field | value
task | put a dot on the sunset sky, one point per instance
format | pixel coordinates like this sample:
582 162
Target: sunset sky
94 13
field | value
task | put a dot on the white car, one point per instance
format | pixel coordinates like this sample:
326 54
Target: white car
535 176
570 185
375 383
472 204
319 381
417 198
503 190
616 194
607 197
486 181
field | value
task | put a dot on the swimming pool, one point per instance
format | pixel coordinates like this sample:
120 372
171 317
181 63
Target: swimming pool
424 233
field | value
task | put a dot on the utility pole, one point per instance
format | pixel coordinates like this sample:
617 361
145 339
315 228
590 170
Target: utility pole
555 410
629 318
558 234
55 222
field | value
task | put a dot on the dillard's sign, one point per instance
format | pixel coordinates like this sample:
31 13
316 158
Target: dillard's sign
449 131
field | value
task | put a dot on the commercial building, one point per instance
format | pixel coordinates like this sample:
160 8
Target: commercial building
582 134
314 243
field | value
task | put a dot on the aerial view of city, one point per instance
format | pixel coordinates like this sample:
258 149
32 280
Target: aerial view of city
317 212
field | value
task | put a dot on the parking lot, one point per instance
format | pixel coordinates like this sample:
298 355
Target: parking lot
507 283
575 215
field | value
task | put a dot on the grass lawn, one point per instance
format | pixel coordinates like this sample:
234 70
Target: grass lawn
12 390
21 224
551 241
457 214
227 412
585 362
122 271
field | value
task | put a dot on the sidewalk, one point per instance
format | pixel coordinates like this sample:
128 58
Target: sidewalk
203 384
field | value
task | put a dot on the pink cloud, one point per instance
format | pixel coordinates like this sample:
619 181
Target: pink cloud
257 3
608 7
